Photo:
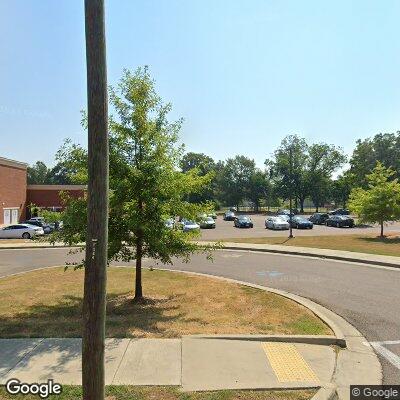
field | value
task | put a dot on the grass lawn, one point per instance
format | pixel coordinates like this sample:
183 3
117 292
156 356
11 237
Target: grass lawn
47 303
171 393
389 246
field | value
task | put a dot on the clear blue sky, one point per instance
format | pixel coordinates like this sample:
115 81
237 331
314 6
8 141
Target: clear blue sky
242 74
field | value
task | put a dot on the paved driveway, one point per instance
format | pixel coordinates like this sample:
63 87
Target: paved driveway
367 297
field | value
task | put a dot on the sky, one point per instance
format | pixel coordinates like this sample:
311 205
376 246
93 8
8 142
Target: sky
242 74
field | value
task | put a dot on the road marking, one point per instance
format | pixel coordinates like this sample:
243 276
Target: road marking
287 363
380 348
271 274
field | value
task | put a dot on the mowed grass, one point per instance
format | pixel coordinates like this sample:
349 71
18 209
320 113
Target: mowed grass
389 245
171 393
48 303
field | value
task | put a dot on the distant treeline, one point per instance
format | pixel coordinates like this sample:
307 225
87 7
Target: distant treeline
303 169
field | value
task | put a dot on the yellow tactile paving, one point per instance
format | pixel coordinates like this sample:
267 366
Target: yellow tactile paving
287 363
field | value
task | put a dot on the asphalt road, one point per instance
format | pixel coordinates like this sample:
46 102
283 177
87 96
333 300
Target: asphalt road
367 297
226 230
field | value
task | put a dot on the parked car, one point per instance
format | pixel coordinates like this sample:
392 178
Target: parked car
40 219
340 221
276 223
207 223
319 218
213 215
242 221
19 231
229 216
285 217
188 226
285 213
340 211
169 223
301 223
47 228
233 209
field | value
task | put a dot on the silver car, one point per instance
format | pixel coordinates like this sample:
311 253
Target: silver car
21 231
190 226
276 223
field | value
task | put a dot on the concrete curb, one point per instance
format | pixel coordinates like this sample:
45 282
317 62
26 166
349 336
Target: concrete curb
323 340
356 363
32 246
317 253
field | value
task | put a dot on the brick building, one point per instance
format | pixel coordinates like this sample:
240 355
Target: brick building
48 196
16 195
13 191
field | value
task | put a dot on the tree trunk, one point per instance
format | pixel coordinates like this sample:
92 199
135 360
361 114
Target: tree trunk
139 256
94 298
301 205
138 280
381 229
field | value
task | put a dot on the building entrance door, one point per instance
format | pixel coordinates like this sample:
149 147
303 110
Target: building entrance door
7 216
14 216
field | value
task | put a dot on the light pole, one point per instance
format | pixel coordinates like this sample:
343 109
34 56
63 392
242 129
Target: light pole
94 299
290 191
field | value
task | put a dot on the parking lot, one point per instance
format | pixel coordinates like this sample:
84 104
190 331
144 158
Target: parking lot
225 230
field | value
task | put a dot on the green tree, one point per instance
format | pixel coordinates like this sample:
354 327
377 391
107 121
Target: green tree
234 179
145 182
310 164
204 165
323 161
341 188
291 178
380 202
259 188
383 147
38 174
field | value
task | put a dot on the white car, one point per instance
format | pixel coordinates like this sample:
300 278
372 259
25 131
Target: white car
188 226
19 231
276 223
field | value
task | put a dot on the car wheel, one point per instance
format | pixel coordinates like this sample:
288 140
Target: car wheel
26 235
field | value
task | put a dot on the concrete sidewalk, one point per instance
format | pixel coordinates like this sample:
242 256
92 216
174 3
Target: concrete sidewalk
194 363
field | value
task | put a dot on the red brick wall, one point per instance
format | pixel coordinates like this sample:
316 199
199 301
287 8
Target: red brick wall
49 197
12 189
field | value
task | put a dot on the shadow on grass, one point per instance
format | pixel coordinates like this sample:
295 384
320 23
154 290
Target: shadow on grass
385 239
64 319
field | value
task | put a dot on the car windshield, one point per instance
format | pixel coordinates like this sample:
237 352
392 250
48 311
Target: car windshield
189 223
244 218
209 219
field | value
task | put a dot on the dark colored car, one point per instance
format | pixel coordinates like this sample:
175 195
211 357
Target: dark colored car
319 218
47 228
340 211
340 221
301 223
229 216
243 222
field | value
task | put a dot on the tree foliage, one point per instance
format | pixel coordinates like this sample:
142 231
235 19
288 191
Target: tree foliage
146 185
309 170
380 202
383 147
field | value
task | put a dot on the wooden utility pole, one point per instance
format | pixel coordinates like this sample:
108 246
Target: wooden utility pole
94 301
290 191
